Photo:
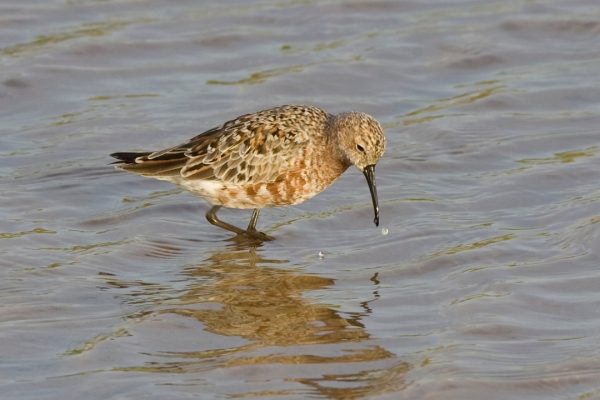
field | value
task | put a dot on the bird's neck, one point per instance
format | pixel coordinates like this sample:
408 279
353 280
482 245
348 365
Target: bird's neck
333 142
334 160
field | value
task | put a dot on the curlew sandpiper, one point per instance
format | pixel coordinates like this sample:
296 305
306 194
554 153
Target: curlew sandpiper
275 157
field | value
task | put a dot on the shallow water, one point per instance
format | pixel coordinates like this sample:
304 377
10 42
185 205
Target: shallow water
114 286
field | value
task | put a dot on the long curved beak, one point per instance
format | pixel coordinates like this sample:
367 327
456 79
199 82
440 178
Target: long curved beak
369 172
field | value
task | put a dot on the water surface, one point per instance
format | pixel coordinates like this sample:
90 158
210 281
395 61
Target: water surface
114 287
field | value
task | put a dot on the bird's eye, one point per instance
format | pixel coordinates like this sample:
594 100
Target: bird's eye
360 148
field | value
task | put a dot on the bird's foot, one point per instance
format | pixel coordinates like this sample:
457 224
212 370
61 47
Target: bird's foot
257 235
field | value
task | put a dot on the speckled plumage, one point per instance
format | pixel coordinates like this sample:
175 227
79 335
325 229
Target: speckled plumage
275 157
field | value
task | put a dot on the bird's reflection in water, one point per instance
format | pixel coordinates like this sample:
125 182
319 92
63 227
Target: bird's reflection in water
236 292
263 302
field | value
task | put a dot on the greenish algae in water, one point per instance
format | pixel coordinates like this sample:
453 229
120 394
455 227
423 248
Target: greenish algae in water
86 30
127 96
66 118
421 120
478 296
479 244
460 99
415 117
13 235
564 157
329 45
258 77
90 344
86 248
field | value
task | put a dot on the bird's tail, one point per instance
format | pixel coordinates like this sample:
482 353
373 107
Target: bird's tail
141 163
128 157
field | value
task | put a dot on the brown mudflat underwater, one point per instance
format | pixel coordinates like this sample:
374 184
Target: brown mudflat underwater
481 277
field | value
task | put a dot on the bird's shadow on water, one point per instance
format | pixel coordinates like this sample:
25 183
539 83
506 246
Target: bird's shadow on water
237 293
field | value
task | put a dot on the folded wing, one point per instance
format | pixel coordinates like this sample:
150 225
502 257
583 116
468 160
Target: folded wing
253 147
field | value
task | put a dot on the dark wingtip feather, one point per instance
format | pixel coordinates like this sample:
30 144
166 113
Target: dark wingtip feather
127 157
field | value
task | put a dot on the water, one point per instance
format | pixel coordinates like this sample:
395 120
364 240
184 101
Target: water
486 284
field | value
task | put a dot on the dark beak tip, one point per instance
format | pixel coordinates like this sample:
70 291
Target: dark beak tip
369 172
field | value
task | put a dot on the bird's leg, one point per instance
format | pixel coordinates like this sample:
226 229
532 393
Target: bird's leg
211 216
253 220
251 231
